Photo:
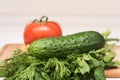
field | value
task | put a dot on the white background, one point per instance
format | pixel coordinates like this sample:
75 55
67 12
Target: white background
73 16
60 7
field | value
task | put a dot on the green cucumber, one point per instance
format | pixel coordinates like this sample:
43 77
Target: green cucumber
59 47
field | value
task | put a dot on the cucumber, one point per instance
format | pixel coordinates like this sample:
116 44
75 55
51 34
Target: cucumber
59 47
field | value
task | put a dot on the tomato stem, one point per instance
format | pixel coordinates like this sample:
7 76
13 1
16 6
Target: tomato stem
44 19
35 20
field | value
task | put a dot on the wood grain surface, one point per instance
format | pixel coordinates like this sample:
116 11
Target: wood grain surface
7 51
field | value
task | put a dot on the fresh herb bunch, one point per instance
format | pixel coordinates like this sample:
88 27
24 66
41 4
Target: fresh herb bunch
23 66
86 66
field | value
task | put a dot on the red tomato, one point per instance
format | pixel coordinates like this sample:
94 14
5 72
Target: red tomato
41 29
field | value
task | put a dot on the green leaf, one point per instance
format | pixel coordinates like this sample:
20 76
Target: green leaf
99 73
94 63
112 64
109 57
106 34
45 76
109 47
86 57
116 63
82 66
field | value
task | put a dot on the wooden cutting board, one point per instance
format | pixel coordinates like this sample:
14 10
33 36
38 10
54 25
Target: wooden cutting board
7 50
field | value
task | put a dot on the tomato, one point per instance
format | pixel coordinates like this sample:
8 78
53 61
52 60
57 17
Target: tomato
39 29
